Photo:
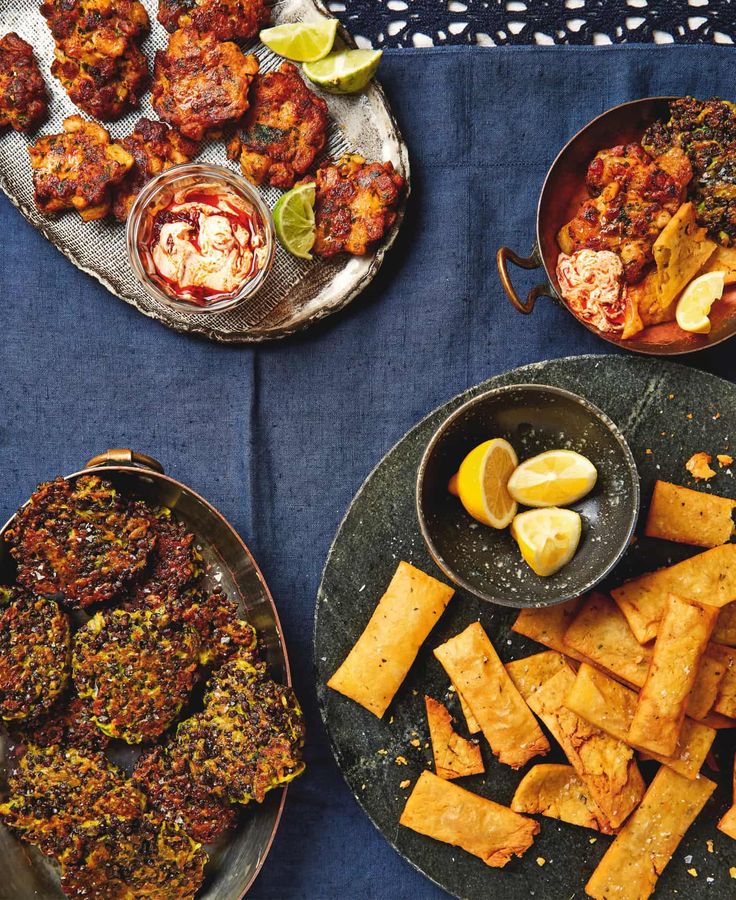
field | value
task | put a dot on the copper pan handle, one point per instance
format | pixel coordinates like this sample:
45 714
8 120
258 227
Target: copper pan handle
533 261
122 456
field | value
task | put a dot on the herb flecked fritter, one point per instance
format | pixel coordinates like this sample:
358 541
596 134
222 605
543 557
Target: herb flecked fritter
24 102
227 19
68 723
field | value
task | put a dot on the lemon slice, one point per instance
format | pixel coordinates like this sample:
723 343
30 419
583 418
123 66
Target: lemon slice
301 41
480 483
696 300
554 478
293 218
344 72
547 538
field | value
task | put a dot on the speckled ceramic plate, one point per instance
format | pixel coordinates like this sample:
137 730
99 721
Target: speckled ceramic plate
298 292
666 412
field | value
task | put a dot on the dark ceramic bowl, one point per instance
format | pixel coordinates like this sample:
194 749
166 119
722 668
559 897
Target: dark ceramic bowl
533 418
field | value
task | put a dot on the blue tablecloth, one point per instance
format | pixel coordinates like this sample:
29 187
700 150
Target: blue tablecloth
281 437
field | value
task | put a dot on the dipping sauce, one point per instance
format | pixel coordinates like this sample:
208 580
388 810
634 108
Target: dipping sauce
203 242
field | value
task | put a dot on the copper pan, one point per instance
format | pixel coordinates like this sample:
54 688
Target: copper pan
562 192
237 858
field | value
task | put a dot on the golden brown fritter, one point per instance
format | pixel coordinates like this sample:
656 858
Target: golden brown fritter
356 204
249 738
107 90
149 858
24 102
58 797
34 655
176 794
226 19
92 31
67 724
78 540
201 85
155 148
282 132
135 670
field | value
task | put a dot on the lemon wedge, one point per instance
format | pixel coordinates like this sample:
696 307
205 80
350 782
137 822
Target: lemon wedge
554 478
547 538
694 305
301 41
481 481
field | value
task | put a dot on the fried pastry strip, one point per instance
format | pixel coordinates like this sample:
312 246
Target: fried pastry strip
454 756
689 517
548 625
558 791
728 823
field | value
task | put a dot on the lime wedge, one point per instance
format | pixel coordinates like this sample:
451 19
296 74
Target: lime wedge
301 41
344 72
293 217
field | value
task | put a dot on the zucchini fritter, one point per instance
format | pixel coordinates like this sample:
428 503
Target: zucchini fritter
176 793
24 102
355 205
78 541
67 724
249 738
34 655
200 84
155 148
58 797
153 859
135 668
227 19
282 132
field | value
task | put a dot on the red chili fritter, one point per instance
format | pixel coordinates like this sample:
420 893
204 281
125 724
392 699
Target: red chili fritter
356 204
77 169
250 736
135 669
149 858
78 540
155 148
24 102
34 655
282 132
175 793
226 19
68 723
200 84
58 797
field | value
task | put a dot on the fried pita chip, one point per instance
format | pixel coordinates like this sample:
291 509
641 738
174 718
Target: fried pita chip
530 673
454 756
644 297
548 625
472 664
725 703
558 792
689 517
680 251
725 630
722 260
600 634
610 706
728 823
605 764
683 636
448 813
632 864
378 663
708 576
473 726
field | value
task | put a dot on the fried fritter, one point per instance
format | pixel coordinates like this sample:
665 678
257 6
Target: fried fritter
92 31
67 724
222 631
201 85
249 738
177 794
107 90
356 204
78 541
282 132
34 655
226 19
149 858
58 797
24 102
135 669
155 148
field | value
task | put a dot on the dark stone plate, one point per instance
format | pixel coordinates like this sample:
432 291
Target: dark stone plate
666 412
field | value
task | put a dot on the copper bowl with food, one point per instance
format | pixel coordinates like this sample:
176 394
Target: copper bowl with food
636 228
178 826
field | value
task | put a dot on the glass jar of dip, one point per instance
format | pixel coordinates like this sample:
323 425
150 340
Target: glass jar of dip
200 238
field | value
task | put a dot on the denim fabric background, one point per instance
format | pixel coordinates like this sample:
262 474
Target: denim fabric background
279 438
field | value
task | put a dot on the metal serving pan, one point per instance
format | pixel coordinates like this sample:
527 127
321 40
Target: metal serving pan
562 192
236 860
